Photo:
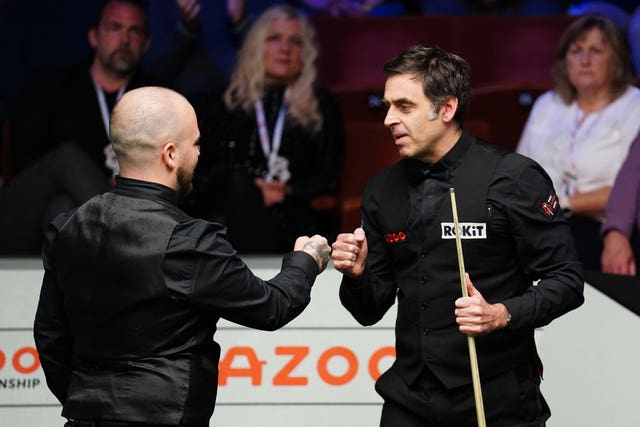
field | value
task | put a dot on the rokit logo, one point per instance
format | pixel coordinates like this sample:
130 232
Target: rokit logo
23 362
468 230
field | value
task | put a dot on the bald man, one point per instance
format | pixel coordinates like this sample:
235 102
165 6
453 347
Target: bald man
133 287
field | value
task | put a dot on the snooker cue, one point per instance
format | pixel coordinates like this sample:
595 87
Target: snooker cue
475 372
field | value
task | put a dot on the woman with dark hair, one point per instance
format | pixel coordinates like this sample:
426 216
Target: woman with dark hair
581 131
276 141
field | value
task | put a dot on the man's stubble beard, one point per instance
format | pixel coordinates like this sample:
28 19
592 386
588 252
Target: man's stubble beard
122 65
185 181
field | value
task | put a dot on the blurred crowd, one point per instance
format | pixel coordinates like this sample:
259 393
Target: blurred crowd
272 138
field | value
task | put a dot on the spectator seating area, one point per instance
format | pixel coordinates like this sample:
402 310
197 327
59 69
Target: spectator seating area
499 49
510 59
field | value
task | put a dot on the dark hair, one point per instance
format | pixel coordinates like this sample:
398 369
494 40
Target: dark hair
443 75
142 5
622 68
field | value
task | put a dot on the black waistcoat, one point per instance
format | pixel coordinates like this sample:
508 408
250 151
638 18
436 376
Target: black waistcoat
138 354
428 278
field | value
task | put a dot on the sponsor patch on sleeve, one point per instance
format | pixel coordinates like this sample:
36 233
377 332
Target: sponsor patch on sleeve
549 207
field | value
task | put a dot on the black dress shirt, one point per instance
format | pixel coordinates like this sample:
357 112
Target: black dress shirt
134 287
546 254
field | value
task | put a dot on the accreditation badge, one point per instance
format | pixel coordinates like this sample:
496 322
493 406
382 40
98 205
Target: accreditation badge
279 169
110 159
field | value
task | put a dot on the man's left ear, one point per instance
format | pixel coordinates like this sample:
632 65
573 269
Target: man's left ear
449 109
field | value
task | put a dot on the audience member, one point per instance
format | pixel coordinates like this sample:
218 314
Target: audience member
626 15
133 287
581 132
274 143
215 30
191 54
621 253
176 55
72 105
63 178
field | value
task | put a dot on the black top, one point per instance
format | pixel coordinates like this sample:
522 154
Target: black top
515 203
231 143
133 289
61 105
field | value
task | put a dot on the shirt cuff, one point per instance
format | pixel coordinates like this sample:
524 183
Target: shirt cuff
354 283
610 227
303 261
515 319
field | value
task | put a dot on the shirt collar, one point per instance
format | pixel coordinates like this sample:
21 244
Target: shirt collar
145 189
418 171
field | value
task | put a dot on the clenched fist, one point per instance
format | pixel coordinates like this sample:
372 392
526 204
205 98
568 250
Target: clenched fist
350 253
316 246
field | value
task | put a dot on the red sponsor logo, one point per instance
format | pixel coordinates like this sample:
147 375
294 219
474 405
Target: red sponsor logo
252 367
25 360
549 206
400 236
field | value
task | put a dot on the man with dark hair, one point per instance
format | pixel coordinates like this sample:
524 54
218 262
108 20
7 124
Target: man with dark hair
512 232
133 287
67 111
75 103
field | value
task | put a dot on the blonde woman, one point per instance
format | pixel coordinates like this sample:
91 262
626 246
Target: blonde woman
276 140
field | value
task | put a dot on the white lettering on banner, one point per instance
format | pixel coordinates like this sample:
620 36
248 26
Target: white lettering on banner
468 230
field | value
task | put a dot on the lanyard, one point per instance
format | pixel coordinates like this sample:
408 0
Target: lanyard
102 103
270 148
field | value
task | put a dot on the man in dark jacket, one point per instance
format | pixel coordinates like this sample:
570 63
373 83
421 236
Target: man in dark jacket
513 234
133 286
66 110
